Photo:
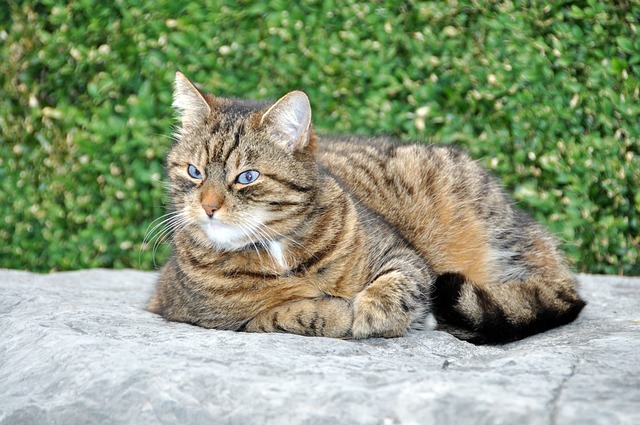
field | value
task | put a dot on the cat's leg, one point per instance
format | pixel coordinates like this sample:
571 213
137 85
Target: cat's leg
391 304
326 316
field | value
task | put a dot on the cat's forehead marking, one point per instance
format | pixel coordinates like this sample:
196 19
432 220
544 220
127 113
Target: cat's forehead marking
212 140
235 143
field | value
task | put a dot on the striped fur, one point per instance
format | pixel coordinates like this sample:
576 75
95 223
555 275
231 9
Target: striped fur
346 237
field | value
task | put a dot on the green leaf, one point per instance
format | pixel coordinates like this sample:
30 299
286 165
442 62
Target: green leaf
617 66
625 44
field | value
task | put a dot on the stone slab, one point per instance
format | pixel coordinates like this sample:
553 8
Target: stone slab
79 348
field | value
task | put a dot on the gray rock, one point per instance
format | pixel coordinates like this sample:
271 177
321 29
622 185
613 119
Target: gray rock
79 347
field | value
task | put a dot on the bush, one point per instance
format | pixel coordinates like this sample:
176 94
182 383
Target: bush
546 95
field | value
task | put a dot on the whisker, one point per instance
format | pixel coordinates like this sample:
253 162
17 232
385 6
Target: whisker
255 229
157 233
150 233
179 224
163 219
248 233
163 135
266 228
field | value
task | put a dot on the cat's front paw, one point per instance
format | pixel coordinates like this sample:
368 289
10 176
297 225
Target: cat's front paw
330 317
375 316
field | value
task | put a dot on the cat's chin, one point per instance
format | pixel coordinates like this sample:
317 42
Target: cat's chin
225 237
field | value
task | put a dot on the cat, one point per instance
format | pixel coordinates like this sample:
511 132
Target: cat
276 229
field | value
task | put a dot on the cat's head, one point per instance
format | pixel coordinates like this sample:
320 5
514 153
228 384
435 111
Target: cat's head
240 172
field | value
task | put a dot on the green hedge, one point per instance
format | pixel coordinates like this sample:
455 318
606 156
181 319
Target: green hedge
546 95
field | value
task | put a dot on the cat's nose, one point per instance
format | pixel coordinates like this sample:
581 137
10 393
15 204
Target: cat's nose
211 201
210 209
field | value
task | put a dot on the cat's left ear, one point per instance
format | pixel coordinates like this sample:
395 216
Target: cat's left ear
290 119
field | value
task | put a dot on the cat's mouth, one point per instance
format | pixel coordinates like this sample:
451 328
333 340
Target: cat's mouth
235 231
236 237
226 237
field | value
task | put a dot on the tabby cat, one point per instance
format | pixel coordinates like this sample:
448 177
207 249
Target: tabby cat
276 229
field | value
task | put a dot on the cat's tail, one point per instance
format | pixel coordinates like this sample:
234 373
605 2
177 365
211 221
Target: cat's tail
503 312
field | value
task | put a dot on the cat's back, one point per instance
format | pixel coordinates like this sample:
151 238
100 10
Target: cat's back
440 199
383 170
384 159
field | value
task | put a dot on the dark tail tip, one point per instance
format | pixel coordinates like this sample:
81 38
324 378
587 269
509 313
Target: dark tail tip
495 326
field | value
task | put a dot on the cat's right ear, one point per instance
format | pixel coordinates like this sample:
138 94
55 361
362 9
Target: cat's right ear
188 102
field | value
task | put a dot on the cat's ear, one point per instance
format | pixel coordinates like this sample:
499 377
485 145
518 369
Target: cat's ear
290 119
188 102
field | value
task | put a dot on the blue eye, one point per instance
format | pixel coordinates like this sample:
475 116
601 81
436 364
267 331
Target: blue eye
194 172
248 177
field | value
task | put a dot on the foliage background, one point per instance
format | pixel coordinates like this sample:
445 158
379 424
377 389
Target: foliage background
545 94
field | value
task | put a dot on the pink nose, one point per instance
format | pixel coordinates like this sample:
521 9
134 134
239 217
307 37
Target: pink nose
210 209
211 202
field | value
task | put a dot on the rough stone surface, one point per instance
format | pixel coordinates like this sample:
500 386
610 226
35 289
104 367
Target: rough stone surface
79 348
